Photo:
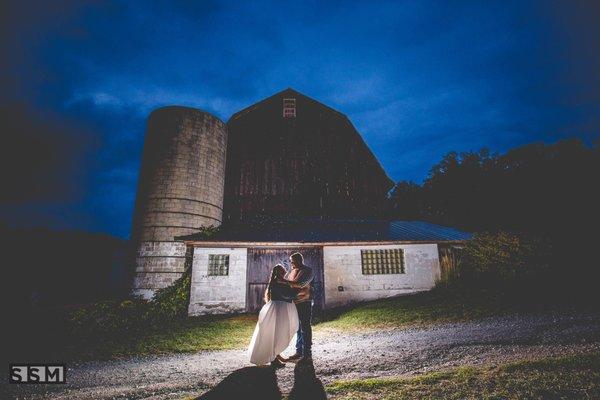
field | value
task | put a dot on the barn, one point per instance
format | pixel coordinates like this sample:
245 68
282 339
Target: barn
285 174
353 261
290 156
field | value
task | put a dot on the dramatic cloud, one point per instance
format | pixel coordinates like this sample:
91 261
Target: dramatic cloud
418 79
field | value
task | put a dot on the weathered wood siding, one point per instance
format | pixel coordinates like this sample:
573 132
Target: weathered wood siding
312 165
262 260
450 258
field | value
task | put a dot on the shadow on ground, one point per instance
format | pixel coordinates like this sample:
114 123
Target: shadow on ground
306 384
261 383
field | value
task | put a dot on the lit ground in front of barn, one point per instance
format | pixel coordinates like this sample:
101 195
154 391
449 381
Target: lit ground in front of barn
344 356
234 332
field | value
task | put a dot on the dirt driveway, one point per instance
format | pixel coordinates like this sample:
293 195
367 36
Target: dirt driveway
337 356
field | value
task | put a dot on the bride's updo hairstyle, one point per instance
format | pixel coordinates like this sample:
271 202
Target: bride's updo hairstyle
276 269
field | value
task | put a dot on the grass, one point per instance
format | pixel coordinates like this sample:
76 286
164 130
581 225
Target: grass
177 336
190 335
573 377
234 332
441 306
420 309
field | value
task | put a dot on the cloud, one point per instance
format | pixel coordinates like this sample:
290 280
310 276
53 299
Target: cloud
418 79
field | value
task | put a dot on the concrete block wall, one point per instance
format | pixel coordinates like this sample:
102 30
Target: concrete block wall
158 265
218 294
343 267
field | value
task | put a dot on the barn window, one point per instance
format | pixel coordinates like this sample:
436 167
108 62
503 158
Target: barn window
289 108
218 264
376 262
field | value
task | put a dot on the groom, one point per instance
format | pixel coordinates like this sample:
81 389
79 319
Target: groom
301 278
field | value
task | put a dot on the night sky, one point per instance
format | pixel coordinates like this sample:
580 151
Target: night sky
418 79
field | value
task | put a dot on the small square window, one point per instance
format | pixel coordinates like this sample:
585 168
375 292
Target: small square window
218 264
378 262
289 108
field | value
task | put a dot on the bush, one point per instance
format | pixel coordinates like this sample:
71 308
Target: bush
109 317
502 261
136 314
172 301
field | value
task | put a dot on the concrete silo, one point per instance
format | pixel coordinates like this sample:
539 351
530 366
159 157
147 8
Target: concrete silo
180 190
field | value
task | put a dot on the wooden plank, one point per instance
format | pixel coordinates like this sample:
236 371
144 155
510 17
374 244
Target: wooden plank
256 293
262 260
315 164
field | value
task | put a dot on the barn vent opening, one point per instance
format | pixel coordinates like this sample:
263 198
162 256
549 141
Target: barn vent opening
289 108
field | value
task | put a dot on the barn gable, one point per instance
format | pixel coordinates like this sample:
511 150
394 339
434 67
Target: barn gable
291 156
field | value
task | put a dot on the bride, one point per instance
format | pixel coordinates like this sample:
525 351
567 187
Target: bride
277 322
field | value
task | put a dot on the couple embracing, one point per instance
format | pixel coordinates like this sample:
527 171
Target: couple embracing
288 310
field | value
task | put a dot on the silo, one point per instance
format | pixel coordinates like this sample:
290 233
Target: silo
180 190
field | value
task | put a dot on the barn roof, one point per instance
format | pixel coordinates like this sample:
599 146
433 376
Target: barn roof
286 92
333 231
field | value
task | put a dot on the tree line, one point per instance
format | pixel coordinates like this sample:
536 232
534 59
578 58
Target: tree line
537 188
542 194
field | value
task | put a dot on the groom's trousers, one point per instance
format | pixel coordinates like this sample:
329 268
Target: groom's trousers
304 334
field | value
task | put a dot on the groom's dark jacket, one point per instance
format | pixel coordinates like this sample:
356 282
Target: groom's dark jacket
302 277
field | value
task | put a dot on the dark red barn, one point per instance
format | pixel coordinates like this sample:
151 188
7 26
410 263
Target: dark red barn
289 156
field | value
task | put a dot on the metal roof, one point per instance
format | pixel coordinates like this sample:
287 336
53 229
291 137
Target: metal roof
334 231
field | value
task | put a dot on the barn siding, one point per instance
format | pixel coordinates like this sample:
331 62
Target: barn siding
218 294
261 262
313 165
342 267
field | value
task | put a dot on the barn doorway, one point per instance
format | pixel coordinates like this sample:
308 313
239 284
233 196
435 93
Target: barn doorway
262 260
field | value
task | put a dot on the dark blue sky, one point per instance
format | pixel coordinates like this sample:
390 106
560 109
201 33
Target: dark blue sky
418 79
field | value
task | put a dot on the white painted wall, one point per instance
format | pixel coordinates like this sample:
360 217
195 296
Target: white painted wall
342 267
218 294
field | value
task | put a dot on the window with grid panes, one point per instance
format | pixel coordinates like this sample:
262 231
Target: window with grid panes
218 264
388 261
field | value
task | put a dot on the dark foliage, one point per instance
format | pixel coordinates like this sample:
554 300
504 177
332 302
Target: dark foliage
541 200
118 317
536 188
115 317
55 268
503 262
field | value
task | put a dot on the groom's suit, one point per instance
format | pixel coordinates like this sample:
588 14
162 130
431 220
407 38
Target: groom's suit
303 277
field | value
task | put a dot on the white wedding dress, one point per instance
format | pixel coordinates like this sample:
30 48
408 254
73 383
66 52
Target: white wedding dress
277 324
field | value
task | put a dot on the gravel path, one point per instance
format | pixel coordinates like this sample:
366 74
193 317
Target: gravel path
337 356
